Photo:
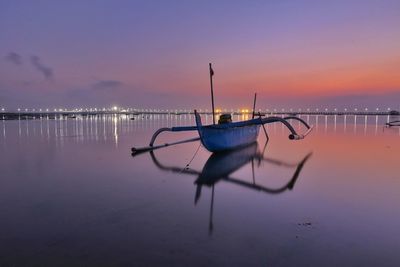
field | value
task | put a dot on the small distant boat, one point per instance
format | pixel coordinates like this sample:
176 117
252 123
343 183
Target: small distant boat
393 123
227 135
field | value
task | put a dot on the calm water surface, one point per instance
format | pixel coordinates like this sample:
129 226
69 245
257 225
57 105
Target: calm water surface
72 195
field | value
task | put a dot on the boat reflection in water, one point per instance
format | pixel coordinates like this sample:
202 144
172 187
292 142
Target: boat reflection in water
221 165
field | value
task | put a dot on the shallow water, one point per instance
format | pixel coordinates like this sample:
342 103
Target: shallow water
72 195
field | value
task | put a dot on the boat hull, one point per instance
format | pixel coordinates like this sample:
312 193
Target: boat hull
217 139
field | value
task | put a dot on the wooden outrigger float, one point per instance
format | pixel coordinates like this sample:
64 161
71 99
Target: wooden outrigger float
227 135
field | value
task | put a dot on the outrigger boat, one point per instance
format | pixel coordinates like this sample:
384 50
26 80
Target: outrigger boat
392 123
227 135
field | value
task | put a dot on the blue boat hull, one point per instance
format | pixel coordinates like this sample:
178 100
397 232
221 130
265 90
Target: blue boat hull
219 139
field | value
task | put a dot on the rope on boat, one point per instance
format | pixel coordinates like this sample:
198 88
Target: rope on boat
190 161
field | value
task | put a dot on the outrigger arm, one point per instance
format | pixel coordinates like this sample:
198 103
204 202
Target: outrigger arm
138 150
294 135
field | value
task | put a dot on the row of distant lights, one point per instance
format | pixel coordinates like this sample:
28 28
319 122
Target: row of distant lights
326 109
76 109
151 110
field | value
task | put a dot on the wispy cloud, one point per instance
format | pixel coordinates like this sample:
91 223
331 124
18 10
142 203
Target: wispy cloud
14 58
45 70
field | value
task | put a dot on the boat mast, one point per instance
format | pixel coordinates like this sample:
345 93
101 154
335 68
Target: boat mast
254 105
212 92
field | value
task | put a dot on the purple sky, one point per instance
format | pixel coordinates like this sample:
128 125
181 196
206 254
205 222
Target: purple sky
295 54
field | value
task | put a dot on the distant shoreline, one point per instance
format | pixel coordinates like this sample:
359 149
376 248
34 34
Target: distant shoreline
73 114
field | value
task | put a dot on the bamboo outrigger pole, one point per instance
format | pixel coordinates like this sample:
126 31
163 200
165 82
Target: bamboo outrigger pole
212 92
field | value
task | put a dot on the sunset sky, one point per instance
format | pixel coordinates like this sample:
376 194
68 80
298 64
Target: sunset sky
151 54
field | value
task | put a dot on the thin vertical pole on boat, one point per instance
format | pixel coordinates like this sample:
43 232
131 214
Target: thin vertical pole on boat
254 105
212 92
